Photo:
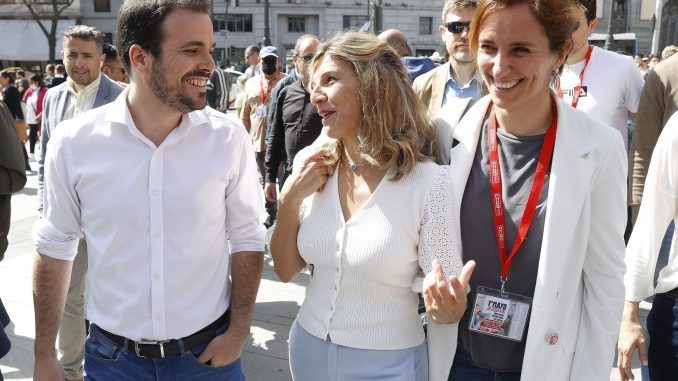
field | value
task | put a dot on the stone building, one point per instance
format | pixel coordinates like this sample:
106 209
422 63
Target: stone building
638 25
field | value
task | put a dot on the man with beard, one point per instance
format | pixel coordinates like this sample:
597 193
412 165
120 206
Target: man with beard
258 91
84 89
296 123
458 77
163 189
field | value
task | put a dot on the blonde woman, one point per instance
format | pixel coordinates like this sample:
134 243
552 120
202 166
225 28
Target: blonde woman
368 214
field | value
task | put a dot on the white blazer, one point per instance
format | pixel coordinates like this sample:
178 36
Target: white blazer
579 295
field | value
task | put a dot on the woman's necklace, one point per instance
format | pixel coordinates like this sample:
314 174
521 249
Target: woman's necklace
355 166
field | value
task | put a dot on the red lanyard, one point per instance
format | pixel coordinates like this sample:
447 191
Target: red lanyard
535 191
270 85
578 88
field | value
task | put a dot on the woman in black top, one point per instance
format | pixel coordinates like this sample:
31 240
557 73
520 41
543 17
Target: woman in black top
12 98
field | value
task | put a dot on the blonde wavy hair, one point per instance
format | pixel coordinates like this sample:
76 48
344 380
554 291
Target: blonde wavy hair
394 122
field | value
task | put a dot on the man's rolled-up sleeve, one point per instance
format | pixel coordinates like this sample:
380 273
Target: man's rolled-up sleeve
57 233
245 212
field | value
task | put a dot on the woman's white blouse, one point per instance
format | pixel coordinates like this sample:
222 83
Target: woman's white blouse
364 270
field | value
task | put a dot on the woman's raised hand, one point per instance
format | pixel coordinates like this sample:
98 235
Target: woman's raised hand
310 178
446 300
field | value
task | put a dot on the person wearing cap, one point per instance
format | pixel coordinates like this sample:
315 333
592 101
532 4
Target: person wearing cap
258 90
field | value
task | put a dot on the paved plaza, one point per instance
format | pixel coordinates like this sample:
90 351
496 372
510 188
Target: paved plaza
265 357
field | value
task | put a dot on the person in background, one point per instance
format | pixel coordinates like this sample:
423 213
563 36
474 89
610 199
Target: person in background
49 74
112 66
416 66
22 82
59 76
540 191
34 98
84 89
12 98
12 180
253 61
217 91
296 123
458 78
255 112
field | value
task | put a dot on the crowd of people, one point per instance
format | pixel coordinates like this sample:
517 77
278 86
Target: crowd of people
495 192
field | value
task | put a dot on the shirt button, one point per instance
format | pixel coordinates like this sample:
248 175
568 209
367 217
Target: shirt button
155 193
332 308
156 235
156 276
158 317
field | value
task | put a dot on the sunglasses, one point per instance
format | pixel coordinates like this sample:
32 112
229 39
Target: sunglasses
457 27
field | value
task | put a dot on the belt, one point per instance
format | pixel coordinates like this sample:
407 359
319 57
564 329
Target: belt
164 348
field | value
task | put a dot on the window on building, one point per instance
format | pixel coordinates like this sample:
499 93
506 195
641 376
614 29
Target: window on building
355 21
102 6
647 9
233 22
425 25
296 24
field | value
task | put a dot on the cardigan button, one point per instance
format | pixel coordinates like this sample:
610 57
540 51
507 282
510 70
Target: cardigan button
551 337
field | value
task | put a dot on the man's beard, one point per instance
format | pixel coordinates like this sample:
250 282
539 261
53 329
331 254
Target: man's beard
173 95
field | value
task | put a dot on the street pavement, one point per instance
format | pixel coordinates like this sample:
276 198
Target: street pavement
266 353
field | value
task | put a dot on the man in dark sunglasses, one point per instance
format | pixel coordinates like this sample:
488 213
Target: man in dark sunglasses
295 122
458 77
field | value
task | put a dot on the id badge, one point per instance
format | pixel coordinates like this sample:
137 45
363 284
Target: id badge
500 314
262 111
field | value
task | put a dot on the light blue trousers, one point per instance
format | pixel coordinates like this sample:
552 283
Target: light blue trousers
313 359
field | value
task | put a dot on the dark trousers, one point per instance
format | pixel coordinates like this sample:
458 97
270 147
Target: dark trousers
32 136
28 166
271 207
662 325
463 369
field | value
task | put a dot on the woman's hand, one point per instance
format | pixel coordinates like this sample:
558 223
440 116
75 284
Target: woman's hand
311 177
446 301
631 339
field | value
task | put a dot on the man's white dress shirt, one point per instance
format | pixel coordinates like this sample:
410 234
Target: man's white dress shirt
158 220
658 209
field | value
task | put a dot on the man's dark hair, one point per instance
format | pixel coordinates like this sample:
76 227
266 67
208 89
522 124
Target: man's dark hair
111 52
140 22
8 75
37 78
86 33
589 9
60 69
